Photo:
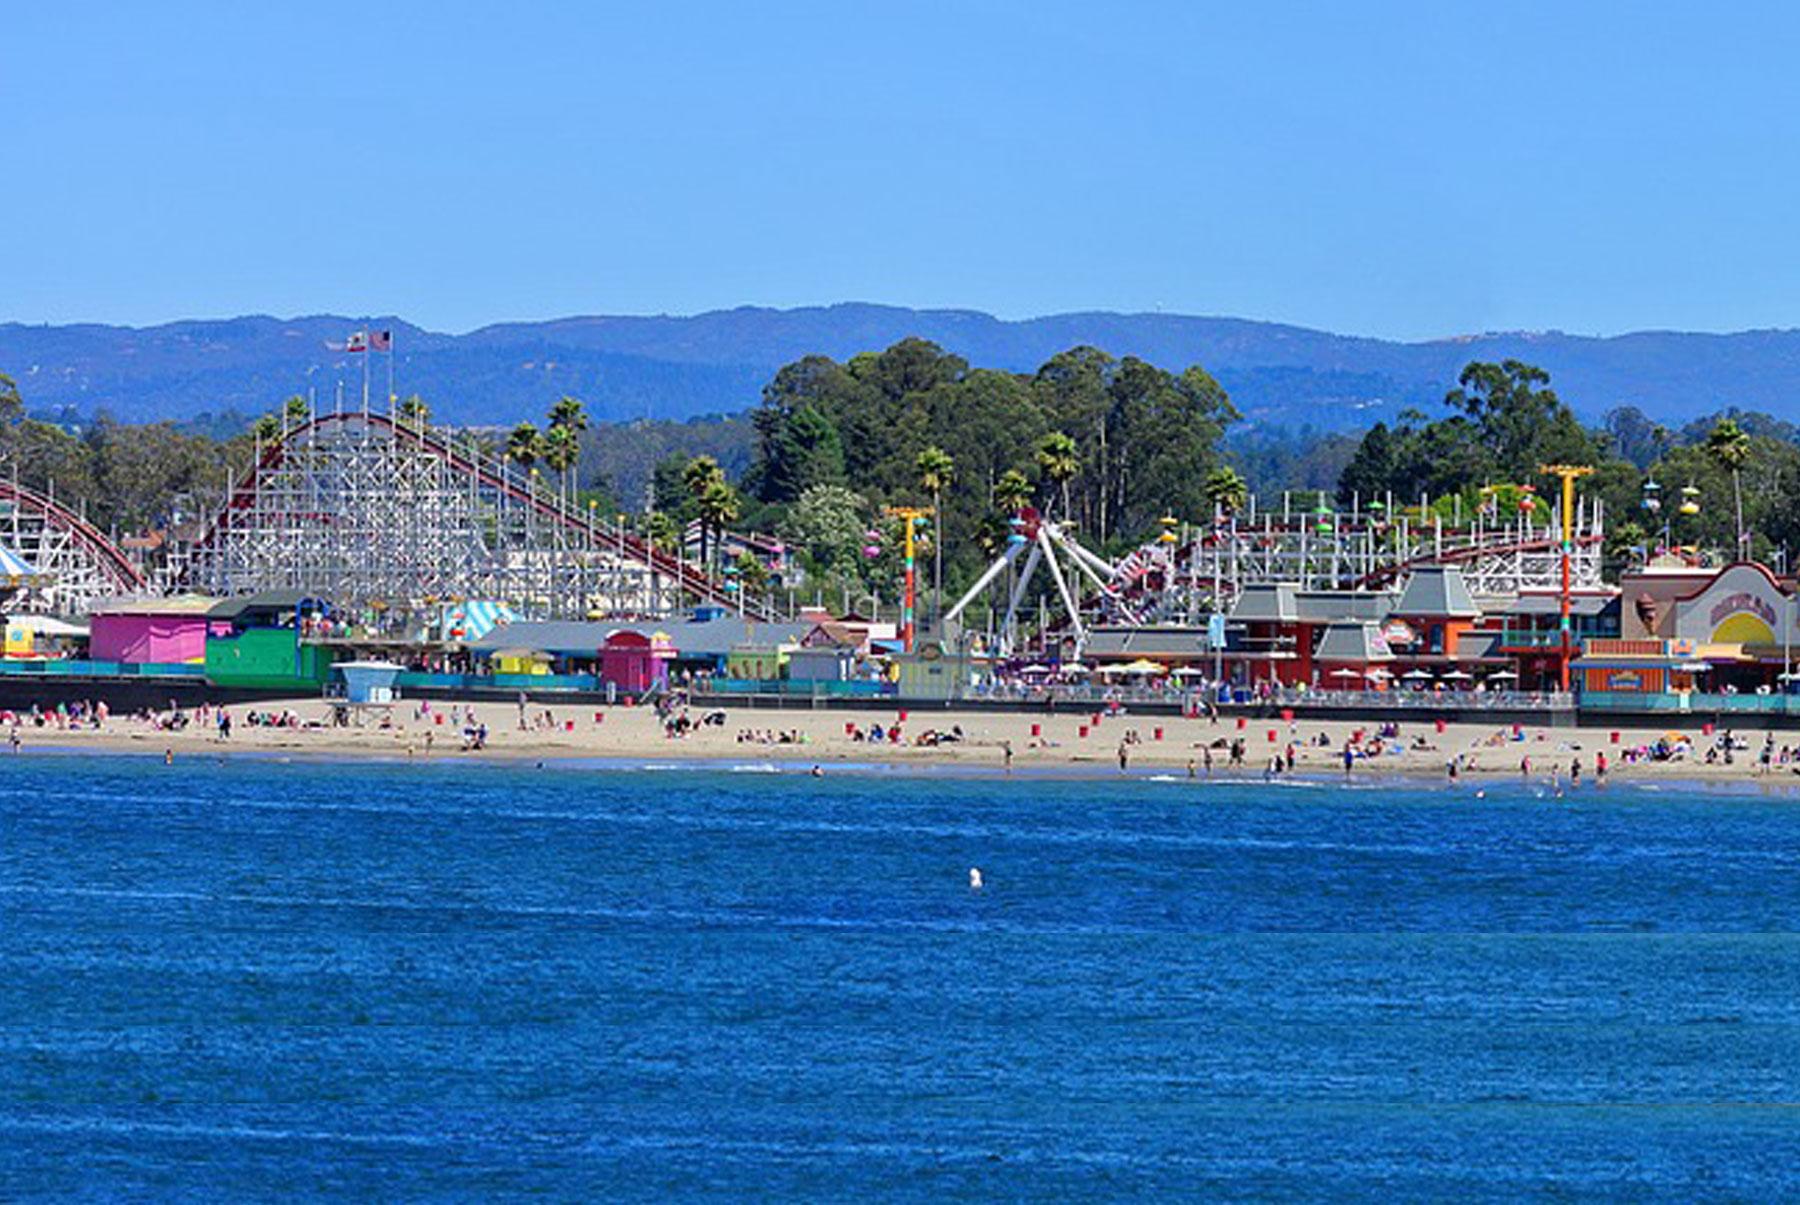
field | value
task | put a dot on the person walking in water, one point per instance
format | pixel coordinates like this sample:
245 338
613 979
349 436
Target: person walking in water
1124 757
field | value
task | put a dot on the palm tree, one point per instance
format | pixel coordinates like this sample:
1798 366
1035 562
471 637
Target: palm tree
936 471
562 449
1728 446
700 475
663 531
1225 489
414 411
524 446
1059 462
718 510
569 412
1012 493
296 410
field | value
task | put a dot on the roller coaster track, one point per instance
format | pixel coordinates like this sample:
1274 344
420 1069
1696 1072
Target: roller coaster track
495 478
1462 555
82 566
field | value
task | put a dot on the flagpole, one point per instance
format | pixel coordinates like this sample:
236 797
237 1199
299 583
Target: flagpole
393 398
365 355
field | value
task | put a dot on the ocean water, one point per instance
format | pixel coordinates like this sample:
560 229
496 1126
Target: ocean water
255 979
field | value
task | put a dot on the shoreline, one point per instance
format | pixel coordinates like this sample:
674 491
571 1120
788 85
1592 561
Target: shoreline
622 739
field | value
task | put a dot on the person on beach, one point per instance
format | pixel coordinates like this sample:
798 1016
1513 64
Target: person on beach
1124 757
1574 773
1206 759
1349 759
1600 769
1006 754
15 737
1190 767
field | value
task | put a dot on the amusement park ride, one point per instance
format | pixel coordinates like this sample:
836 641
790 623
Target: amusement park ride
392 519
1190 571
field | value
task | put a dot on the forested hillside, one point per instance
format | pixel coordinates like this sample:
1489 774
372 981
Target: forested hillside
667 367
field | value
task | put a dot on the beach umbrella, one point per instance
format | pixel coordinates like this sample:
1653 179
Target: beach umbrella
1074 668
1346 673
1188 671
1379 674
1143 665
1458 676
1417 675
1505 675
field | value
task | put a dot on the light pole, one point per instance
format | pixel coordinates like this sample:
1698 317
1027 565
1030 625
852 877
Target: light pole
1568 473
909 517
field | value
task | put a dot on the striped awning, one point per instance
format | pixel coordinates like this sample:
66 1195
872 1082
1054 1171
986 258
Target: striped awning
14 566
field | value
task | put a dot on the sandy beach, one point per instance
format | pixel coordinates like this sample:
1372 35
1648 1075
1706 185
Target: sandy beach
566 732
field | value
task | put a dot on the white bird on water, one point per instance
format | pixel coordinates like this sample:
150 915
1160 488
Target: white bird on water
974 878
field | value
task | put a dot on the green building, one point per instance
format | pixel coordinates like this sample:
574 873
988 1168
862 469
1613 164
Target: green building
263 649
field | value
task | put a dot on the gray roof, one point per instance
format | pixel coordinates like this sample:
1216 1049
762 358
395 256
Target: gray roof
1551 604
1129 643
1266 602
713 638
1353 641
267 600
1437 592
1324 606
1477 643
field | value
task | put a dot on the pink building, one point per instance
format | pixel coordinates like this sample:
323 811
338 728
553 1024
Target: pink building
163 630
635 662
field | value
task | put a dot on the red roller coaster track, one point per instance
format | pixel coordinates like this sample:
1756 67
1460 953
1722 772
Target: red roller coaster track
625 544
112 562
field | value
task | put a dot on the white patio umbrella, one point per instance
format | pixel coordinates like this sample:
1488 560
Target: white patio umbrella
1416 675
1505 675
1456 675
1346 673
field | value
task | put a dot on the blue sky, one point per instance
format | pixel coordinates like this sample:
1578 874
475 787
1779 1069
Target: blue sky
1396 170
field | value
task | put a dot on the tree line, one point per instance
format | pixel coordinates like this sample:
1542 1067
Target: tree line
1111 444
1738 472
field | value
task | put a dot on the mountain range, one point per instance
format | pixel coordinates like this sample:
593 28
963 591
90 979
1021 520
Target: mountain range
716 363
